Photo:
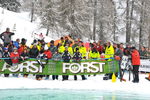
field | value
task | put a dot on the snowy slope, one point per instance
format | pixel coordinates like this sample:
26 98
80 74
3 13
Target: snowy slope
20 24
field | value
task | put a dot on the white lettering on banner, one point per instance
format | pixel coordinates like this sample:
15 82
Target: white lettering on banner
89 67
28 65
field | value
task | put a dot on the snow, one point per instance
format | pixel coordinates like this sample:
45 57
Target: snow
20 24
92 83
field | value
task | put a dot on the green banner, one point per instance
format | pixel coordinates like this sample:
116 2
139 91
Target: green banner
50 67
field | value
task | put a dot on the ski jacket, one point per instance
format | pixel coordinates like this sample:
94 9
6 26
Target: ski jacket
94 55
57 57
14 57
38 46
77 56
82 50
53 48
16 44
48 54
70 50
34 52
118 52
100 49
61 49
109 52
25 55
21 49
135 57
66 56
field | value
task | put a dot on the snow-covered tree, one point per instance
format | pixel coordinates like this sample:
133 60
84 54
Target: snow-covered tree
12 5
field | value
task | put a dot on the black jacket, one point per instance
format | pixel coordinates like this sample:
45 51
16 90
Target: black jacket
34 52
66 56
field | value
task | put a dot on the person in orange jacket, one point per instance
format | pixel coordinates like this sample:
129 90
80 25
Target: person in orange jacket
135 59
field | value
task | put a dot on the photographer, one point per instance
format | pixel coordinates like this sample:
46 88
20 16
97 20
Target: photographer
135 59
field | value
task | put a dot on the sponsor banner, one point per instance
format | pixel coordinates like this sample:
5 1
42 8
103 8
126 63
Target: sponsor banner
145 64
50 67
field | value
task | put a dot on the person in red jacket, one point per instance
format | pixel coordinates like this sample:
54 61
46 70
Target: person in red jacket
135 58
14 56
48 54
15 59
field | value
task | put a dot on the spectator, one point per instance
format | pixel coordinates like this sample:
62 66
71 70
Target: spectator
127 50
76 43
41 36
34 52
66 58
77 58
6 36
82 50
6 54
135 58
10 47
24 56
119 53
1 50
15 59
52 47
61 48
69 48
94 54
121 47
56 57
16 43
99 48
143 52
47 55
109 52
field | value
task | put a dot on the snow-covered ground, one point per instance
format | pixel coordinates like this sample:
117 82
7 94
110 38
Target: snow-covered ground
20 24
92 83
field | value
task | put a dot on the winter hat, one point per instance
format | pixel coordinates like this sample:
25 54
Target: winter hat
15 48
5 48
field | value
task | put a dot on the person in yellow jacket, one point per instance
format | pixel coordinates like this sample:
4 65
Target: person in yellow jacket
61 48
94 54
109 51
38 46
82 50
70 50
62 41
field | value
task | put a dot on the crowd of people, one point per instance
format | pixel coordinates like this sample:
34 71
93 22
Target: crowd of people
67 49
